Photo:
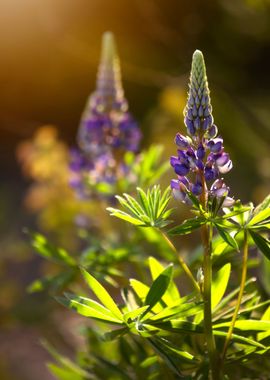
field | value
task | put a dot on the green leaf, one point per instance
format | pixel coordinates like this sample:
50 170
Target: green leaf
265 317
63 373
188 226
88 311
184 310
260 217
263 205
102 294
149 211
70 368
45 249
172 294
143 200
232 294
238 338
247 325
90 303
166 357
261 243
178 326
219 284
183 355
240 210
227 237
111 335
140 289
122 215
159 287
134 314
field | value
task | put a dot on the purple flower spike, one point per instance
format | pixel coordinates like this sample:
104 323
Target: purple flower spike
107 130
202 155
106 121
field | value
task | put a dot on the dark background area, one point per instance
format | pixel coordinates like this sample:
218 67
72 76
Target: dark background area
49 52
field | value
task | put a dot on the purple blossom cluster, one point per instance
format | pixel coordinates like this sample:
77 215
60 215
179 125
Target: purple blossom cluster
107 130
200 156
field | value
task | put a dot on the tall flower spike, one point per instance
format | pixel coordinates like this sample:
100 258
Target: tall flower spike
106 122
202 156
198 111
109 90
107 130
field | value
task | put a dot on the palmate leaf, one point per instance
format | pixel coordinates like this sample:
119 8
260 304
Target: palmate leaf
148 210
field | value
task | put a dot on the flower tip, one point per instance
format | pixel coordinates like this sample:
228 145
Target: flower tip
108 47
197 54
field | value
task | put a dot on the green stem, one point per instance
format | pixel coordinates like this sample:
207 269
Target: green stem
181 261
207 235
241 292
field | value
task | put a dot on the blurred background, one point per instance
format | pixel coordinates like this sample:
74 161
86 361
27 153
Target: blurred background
49 52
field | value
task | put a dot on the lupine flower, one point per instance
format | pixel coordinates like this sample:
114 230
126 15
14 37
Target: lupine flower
107 130
201 155
106 122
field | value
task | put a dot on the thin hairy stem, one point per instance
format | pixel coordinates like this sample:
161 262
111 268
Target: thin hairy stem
241 292
181 262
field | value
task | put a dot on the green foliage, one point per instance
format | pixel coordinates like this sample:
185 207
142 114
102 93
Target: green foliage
150 209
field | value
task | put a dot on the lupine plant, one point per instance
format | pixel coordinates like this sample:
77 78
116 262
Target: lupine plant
219 327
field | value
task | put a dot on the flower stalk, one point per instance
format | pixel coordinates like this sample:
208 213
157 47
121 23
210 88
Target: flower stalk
181 262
